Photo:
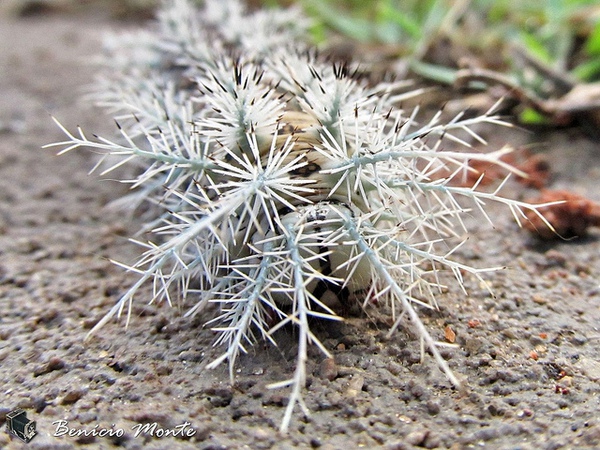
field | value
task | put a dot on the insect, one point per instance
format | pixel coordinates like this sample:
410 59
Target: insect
303 130
285 189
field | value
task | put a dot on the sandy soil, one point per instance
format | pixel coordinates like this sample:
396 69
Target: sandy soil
56 282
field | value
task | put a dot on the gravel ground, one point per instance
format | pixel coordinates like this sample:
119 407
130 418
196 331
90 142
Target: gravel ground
529 358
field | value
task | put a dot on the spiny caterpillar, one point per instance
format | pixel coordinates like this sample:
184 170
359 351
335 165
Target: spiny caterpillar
283 188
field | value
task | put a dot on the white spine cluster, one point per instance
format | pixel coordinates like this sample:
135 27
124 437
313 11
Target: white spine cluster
282 184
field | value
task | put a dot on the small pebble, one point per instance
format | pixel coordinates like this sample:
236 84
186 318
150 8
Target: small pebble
54 363
417 437
355 385
72 396
328 369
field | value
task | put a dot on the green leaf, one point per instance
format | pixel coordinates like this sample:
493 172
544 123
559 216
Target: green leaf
532 117
406 23
589 70
358 28
535 46
388 32
318 32
592 45
434 72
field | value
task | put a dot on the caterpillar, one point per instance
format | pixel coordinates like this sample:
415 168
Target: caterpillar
284 188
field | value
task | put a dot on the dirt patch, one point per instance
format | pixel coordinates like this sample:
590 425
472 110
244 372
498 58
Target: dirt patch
529 358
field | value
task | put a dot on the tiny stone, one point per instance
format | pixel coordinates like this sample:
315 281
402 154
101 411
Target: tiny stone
72 396
54 363
433 408
219 396
355 385
565 382
39 404
417 437
328 369
433 441
191 356
261 434
315 442
556 258
536 340
578 340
